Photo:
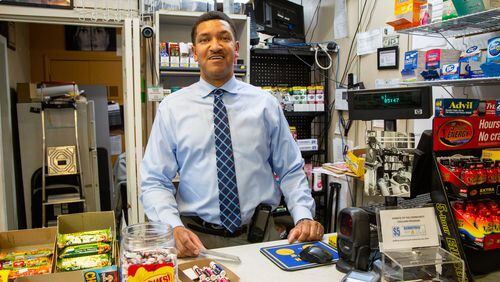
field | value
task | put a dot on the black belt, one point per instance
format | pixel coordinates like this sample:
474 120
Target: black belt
214 229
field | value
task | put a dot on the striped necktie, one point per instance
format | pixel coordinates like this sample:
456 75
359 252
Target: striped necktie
230 214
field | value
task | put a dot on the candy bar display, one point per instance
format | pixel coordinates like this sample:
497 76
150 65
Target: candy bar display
26 263
479 222
82 250
147 251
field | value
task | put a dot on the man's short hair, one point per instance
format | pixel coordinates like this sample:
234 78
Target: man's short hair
212 15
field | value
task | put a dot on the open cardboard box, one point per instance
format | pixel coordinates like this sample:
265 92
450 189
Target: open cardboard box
29 239
79 222
201 263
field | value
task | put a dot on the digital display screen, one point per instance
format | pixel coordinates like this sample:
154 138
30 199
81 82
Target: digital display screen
388 100
390 103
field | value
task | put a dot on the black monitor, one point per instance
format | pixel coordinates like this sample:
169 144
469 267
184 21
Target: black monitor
390 103
281 18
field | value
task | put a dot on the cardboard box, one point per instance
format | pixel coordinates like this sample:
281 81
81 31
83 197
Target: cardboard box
26 93
29 239
201 263
437 58
88 221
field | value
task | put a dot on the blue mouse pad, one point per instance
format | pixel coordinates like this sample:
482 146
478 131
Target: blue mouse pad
287 256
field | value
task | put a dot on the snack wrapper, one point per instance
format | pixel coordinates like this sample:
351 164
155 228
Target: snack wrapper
29 271
4 275
23 263
77 263
71 239
85 250
32 254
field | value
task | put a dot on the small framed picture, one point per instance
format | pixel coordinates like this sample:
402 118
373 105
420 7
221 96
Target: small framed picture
388 58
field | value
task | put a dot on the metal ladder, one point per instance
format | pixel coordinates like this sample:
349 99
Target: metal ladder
60 160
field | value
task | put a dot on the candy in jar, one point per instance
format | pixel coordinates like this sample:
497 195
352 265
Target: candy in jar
147 251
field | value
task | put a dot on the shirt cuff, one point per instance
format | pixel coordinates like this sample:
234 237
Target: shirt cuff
172 220
300 212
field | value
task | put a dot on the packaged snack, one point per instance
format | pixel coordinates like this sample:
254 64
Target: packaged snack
86 237
16 255
77 263
4 275
22 263
85 250
29 271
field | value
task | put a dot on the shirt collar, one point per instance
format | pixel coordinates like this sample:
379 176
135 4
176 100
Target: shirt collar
206 88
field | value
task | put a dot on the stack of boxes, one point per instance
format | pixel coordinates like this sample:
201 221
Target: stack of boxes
177 54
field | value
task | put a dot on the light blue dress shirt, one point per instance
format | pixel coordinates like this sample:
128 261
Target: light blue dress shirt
182 140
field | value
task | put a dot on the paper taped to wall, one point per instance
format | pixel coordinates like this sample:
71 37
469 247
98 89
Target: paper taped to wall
368 42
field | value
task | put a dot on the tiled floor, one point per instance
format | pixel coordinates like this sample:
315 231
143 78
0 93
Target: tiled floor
492 277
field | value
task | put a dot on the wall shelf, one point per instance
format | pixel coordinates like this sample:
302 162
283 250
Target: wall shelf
182 71
457 82
481 22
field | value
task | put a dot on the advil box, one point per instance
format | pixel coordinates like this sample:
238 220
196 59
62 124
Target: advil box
456 107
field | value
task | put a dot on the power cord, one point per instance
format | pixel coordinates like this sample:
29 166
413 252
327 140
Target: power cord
330 64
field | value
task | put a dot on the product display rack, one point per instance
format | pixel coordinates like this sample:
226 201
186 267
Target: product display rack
292 67
175 26
465 82
473 24
475 259
476 23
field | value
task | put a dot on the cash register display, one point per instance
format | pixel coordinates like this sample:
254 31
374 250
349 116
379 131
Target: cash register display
390 103
388 100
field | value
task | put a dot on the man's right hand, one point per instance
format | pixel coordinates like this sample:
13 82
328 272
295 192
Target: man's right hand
188 244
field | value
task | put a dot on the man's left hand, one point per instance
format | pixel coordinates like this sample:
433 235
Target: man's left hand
306 230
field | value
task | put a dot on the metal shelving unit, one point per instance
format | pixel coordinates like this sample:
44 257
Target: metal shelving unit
292 67
481 22
456 82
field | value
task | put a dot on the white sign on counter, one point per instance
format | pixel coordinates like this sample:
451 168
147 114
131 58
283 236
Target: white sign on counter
408 228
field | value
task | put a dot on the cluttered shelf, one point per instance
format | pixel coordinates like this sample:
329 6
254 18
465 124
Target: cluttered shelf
456 82
476 23
192 71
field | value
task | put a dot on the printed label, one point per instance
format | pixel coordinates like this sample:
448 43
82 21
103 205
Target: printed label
455 133
163 272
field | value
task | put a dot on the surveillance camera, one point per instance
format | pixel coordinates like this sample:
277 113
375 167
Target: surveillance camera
147 32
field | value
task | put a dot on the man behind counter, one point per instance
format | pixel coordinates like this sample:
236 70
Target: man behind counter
226 139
